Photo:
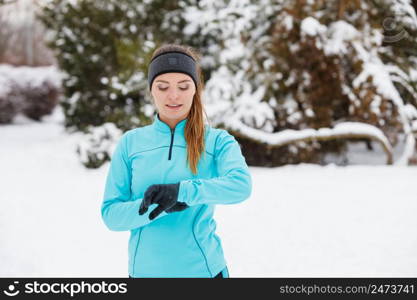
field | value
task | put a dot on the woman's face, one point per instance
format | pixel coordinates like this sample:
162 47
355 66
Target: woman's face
173 96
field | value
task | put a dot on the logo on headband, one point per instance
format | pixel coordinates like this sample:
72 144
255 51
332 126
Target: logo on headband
172 60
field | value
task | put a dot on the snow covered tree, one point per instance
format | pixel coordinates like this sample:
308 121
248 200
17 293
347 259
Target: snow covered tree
104 47
298 79
292 80
32 91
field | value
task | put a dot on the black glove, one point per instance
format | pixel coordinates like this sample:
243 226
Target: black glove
165 195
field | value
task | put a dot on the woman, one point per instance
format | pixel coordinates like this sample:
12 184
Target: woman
165 178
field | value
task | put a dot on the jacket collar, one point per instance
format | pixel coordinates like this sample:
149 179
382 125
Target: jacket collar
161 126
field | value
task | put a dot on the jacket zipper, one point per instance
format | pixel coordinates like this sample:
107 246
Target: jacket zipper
172 141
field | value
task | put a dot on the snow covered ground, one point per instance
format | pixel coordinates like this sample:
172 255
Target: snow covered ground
301 221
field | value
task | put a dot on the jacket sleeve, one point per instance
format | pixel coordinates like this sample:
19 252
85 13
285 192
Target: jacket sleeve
233 184
119 212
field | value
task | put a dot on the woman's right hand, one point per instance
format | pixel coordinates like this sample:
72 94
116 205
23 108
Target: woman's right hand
165 195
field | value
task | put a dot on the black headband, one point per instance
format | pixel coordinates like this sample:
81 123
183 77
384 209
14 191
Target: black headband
172 62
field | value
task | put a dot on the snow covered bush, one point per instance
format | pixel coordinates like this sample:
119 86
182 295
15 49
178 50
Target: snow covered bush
98 144
39 100
32 91
288 69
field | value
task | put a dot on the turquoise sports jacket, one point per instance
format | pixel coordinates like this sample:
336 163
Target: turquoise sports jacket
178 244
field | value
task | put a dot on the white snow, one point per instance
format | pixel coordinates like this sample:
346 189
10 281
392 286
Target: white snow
288 22
300 221
30 76
405 10
311 26
339 32
99 140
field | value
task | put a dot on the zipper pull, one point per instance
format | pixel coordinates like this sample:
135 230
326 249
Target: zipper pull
172 141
